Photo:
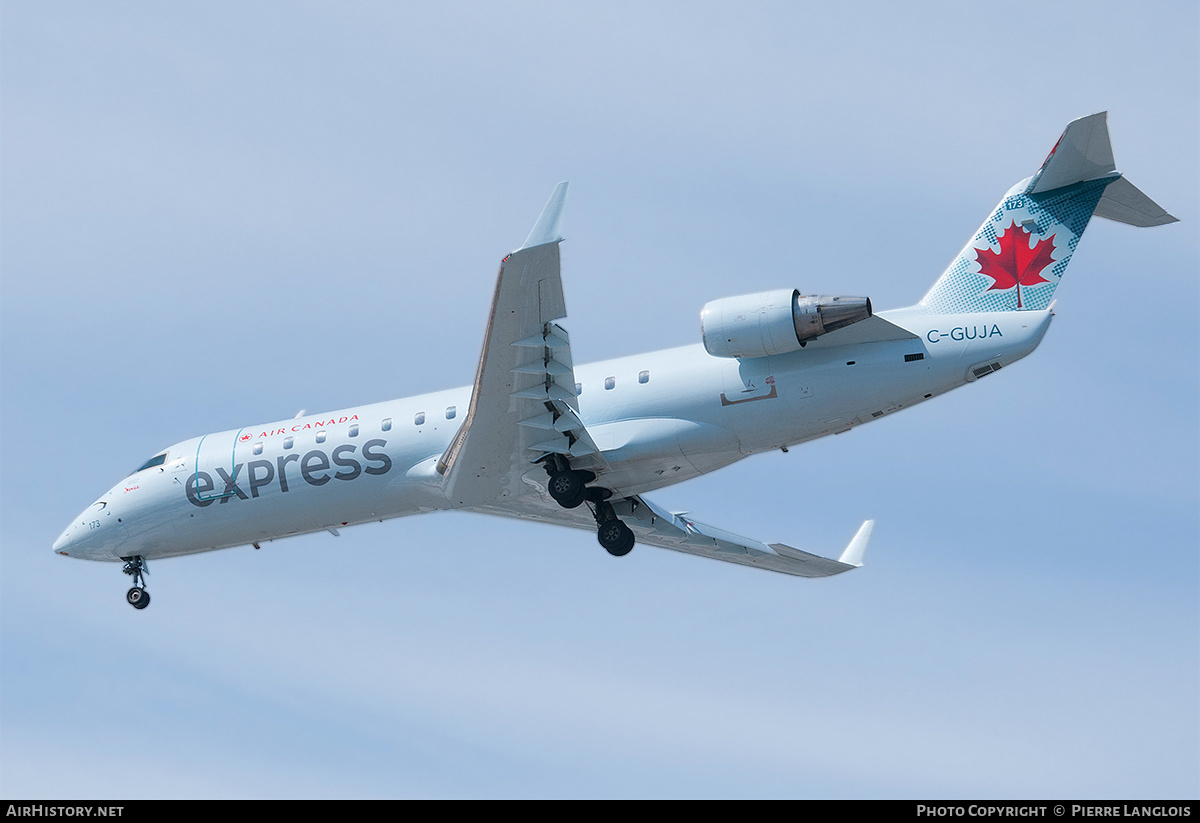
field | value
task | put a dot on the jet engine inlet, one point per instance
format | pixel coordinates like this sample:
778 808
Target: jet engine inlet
775 322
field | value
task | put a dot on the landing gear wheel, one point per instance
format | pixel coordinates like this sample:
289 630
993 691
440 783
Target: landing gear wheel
616 538
567 488
138 597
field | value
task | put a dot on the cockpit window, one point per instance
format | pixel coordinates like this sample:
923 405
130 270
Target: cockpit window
157 460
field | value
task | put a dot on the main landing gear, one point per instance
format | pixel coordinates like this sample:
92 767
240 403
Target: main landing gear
137 597
569 488
616 538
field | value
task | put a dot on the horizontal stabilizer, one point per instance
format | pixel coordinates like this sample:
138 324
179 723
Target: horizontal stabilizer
1084 152
1124 202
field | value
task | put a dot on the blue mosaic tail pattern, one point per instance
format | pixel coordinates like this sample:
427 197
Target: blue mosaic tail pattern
1018 256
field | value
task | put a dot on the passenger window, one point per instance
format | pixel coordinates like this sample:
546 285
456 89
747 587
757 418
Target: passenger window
578 389
386 425
419 419
321 436
354 430
450 412
643 377
610 383
288 441
258 448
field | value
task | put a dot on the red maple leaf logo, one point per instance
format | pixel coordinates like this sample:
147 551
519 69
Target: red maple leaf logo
1015 264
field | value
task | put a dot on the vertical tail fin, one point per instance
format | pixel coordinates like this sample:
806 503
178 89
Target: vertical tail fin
1016 259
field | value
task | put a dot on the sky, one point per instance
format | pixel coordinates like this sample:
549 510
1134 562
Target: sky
217 214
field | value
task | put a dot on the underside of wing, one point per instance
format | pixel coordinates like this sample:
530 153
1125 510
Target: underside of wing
524 404
654 526
523 426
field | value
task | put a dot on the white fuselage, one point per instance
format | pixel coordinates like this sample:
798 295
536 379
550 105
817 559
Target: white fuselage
669 416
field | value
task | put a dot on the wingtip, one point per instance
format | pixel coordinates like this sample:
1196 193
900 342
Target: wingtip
853 555
548 228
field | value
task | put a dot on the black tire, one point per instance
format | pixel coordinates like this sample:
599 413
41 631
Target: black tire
138 597
616 538
576 501
567 488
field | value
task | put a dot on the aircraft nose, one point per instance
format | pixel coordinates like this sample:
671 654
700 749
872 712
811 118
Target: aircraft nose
63 541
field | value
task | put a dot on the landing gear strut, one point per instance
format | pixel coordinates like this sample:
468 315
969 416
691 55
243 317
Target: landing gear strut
137 597
569 488
616 538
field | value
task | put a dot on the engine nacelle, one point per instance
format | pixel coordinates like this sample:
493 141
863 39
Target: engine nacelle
775 322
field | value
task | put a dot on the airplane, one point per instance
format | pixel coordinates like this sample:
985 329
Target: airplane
538 438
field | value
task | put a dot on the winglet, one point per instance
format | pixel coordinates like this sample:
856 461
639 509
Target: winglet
853 555
548 227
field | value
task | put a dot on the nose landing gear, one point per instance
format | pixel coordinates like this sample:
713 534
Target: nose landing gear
137 597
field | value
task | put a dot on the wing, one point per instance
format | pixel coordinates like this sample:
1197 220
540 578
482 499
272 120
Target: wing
524 405
524 408
655 526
